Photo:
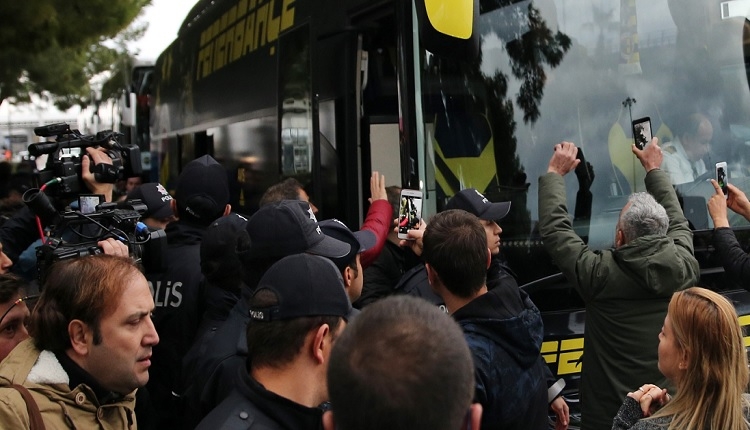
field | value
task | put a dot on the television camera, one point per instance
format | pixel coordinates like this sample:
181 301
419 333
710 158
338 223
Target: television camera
67 151
75 227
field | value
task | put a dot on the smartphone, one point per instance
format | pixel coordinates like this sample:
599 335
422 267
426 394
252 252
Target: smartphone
87 203
582 171
409 212
721 177
642 132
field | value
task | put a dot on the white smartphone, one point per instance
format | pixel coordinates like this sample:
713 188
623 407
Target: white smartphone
409 212
721 177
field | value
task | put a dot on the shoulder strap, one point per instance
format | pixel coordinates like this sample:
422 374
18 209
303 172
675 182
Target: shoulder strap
35 417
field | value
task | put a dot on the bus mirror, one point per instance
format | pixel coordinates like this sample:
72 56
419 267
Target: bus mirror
448 28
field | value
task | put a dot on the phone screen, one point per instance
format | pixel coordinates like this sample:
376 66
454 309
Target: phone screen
721 177
409 213
642 132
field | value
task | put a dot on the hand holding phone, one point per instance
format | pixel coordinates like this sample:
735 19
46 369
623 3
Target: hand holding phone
409 212
642 132
721 177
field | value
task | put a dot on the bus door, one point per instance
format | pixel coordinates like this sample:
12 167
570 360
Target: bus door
379 123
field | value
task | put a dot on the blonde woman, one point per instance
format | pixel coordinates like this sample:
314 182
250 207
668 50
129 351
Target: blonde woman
702 353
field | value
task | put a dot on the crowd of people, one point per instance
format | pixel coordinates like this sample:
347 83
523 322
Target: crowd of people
279 321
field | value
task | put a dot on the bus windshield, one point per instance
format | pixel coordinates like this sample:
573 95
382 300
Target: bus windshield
553 70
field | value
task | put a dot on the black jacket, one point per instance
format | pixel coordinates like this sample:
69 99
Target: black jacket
251 406
18 233
217 364
735 260
504 331
415 282
178 298
385 272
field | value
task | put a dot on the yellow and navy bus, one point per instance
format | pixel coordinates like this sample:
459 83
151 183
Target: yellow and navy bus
442 95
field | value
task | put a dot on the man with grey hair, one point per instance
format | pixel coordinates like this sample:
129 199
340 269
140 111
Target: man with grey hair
626 289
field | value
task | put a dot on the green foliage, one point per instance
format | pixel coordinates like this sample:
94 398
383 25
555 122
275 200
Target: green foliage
57 45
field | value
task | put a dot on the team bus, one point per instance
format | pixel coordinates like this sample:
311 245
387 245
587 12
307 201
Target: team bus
133 109
442 95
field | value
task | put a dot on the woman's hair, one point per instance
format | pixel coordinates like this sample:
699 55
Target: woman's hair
709 395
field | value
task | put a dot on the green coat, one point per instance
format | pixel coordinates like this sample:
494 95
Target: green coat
61 407
626 291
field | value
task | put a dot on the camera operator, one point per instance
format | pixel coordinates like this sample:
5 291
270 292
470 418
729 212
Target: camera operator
20 232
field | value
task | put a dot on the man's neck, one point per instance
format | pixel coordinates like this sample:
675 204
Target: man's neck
294 382
78 375
454 303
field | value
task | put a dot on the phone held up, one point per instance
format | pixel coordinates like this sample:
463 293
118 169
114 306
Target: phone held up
642 132
721 177
409 212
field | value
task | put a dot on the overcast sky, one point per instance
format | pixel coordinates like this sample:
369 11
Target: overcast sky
164 18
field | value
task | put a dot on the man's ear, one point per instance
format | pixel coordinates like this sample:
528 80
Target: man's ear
348 277
473 417
173 205
432 276
319 343
619 238
328 422
81 337
227 209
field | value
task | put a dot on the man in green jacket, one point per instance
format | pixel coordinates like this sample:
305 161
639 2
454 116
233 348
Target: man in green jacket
626 289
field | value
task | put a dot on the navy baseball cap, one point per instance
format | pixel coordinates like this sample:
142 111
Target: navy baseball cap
305 285
223 241
156 198
202 191
474 202
360 241
289 227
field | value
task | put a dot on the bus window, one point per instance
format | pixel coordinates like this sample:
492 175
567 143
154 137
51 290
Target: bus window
550 70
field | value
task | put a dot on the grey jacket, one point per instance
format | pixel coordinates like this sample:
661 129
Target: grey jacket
630 417
626 291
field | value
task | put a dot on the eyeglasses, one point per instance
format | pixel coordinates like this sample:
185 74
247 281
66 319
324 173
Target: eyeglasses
21 300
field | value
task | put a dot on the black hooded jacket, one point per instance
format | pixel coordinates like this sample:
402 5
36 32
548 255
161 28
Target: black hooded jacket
504 331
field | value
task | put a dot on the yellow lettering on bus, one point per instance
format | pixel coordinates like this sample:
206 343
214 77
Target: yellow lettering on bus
549 351
287 14
232 16
223 20
273 23
245 27
566 353
204 61
219 52
249 43
261 25
744 322
239 36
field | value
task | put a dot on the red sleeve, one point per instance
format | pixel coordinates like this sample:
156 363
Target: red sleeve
379 222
